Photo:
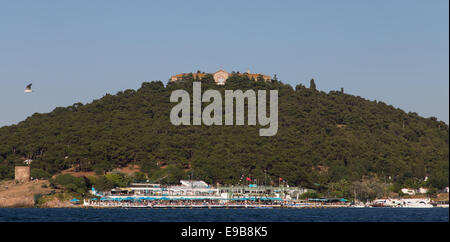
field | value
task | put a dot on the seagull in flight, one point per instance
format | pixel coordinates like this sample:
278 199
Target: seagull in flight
28 88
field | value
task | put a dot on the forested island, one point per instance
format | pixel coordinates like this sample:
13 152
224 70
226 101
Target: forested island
325 141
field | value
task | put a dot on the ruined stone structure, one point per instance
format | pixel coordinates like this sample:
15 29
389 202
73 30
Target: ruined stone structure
221 76
22 173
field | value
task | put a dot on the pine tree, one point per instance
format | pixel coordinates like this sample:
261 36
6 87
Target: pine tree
312 85
275 78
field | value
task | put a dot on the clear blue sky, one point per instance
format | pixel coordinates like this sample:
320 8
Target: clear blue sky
77 51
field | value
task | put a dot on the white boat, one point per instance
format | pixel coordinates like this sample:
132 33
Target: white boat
416 203
358 206
442 205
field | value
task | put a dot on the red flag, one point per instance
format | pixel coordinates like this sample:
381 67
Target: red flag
248 179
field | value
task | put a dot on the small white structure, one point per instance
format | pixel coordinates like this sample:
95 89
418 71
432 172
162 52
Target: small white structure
422 190
408 191
28 161
194 184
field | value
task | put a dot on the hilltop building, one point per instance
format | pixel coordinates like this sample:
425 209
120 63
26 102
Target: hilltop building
221 76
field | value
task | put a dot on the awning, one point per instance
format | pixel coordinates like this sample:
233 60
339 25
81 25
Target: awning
318 199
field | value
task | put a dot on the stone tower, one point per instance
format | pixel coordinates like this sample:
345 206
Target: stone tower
22 173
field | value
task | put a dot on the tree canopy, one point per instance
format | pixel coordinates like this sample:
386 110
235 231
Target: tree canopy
322 138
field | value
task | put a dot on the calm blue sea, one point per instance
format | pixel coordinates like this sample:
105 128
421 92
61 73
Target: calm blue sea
224 215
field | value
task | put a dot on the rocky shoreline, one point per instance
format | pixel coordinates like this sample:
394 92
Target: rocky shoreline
36 193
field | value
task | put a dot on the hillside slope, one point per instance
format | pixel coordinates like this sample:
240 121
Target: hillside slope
322 137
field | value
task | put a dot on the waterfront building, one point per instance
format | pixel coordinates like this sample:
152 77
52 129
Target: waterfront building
262 191
139 189
195 193
191 189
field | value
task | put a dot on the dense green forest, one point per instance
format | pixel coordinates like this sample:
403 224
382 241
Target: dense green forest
322 138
